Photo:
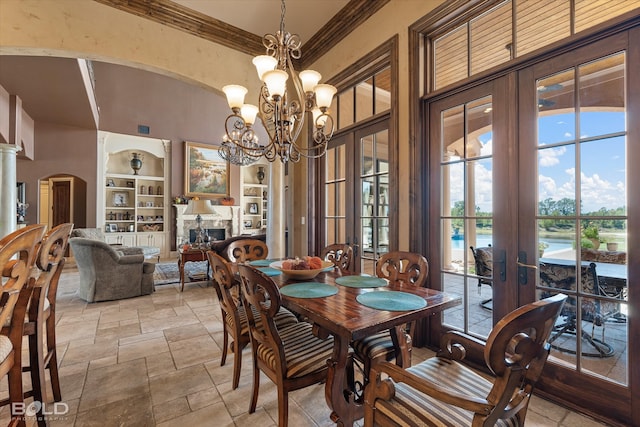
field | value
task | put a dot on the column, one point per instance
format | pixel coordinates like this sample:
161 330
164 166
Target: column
8 195
276 211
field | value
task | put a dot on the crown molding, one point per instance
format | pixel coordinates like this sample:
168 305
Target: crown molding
342 24
174 15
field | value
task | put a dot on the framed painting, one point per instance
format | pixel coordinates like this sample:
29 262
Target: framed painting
206 174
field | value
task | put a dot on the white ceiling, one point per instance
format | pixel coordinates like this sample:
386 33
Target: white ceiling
302 17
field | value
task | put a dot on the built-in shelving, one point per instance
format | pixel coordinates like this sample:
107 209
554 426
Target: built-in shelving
135 209
254 198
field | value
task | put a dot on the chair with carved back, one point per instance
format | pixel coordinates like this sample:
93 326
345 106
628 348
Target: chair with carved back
234 318
40 325
244 250
291 356
340 254
18 252
404 269
445 391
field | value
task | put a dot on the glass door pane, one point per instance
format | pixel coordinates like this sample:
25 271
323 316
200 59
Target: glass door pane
374 191
335 215
466 163
582 214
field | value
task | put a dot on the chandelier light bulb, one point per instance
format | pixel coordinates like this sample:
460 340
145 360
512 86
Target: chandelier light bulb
319 119
263 64
276 81
324 95
235 95
310 79
249 113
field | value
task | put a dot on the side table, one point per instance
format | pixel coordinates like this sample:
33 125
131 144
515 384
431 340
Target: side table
190 255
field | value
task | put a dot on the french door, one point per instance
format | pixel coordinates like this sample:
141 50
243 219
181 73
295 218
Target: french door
531 165
578 145
356 193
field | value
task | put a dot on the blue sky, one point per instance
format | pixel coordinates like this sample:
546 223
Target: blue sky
602 163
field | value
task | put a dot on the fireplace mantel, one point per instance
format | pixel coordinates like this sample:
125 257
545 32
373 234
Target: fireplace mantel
227 217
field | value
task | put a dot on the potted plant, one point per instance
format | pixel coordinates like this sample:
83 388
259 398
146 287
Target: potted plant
612 246
541 247
592 233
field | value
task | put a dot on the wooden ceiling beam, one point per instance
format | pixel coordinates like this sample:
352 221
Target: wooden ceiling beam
174 15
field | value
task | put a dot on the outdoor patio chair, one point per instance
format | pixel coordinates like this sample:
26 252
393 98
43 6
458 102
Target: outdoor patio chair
483 258
593 310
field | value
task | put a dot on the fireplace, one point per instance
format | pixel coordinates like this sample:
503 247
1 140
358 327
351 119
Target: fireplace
223 224
213 233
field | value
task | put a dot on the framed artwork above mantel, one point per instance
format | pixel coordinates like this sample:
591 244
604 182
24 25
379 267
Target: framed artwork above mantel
206 173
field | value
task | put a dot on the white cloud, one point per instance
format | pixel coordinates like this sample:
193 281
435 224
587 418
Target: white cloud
596 191
550 156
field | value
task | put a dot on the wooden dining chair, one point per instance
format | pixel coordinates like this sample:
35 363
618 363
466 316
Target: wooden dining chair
340 254
244 250
444 391
18 252
234 318
292 357
40 324
402 269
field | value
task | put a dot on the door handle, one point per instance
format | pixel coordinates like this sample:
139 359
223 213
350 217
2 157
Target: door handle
501 262
522 267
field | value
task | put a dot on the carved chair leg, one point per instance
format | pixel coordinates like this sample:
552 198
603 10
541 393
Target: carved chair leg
225 344
256 385
237 363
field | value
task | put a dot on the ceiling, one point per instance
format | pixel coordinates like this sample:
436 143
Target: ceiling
61 96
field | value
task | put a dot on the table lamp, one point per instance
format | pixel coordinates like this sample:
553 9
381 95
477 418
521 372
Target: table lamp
198 207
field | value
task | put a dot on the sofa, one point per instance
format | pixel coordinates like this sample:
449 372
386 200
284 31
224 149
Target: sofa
108 273
96 234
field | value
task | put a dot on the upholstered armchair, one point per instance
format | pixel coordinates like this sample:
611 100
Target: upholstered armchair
96 234
106 273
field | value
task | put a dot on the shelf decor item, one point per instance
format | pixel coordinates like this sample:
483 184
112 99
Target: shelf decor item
260 174
136 162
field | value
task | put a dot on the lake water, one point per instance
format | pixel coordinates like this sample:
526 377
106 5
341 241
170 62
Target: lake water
484 240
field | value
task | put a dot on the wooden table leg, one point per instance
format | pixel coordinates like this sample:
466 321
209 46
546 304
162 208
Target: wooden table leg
181 269
346 410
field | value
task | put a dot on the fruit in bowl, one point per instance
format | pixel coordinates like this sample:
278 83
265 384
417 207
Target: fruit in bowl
301 268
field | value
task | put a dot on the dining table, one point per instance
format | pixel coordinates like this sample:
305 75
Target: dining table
339 313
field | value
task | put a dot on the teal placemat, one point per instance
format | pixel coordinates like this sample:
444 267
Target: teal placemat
391 300
308 290
261 262
361 281
269 271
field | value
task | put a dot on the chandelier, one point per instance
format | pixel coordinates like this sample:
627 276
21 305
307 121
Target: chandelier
281 112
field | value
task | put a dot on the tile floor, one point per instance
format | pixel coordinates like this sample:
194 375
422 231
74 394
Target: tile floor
155 361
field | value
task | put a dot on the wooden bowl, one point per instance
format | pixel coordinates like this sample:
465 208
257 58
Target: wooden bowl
301 274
